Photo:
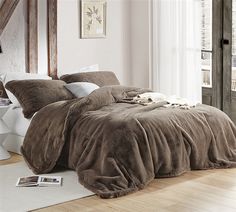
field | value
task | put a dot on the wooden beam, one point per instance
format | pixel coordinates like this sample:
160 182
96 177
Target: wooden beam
32 11
52 38
6 11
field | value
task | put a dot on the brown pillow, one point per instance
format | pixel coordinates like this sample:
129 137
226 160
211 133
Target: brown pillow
35 94
100 78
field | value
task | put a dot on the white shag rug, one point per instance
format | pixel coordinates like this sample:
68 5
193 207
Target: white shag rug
21 199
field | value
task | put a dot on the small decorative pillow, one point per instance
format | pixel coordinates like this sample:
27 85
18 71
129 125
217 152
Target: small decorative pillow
100 78
81 89
35 94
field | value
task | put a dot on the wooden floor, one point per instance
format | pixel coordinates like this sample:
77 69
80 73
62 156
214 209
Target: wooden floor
212 190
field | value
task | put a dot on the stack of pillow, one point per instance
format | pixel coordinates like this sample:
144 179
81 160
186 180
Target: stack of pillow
82 84
33 92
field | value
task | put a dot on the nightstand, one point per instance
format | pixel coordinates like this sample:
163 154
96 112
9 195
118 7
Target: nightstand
4 131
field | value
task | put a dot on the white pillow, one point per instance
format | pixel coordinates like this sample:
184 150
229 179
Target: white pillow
19 76
81 89
90 68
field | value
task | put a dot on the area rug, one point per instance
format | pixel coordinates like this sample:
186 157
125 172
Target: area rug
21 199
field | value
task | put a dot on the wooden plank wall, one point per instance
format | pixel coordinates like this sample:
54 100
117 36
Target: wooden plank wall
52 38
32 11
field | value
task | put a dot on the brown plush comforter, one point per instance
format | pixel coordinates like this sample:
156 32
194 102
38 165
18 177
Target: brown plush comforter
117 148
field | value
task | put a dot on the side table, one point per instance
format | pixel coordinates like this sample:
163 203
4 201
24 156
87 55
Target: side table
4 131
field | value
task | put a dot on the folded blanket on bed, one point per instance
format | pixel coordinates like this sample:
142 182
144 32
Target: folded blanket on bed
118 147
149 98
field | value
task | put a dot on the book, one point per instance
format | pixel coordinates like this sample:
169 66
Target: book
39 181
4 101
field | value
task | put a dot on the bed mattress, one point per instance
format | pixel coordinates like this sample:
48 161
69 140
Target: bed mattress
16 121
18 126
118 146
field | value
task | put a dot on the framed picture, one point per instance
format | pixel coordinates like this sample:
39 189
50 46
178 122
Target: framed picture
93 18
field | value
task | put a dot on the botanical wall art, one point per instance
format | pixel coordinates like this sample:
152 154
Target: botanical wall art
93 18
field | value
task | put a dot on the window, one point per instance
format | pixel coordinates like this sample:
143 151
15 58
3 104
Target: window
206 36
233 86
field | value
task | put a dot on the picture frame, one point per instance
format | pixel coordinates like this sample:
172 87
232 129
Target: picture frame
93 18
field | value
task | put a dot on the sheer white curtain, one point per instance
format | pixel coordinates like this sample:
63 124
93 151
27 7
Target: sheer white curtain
176 48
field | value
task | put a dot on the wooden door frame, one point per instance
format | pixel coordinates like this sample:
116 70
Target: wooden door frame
215 92
217 56
227 57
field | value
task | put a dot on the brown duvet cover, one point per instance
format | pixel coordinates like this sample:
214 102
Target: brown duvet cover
118 147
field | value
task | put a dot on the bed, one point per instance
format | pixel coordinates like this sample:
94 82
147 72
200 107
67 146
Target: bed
14 117
118 146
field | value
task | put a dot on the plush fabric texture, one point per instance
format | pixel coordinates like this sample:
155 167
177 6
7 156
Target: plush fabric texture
9 76
117 147
35 94
81 89
100 78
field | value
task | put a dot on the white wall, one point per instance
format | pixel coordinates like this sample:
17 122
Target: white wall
112 53
13 41
42 37
140 43
124 50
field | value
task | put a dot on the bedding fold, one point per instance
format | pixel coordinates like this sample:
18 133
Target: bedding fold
117 146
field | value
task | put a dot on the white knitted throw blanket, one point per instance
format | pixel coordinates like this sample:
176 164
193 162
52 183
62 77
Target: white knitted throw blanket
171 101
